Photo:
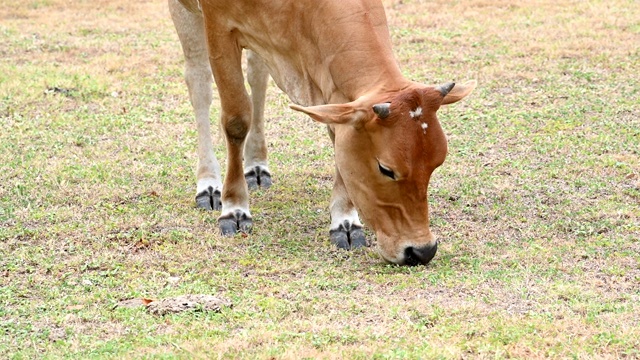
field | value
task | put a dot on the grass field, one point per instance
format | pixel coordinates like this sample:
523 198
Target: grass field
537 206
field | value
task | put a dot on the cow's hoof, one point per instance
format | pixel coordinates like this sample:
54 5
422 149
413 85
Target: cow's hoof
209 199
340 239
357 238
258 177
348 239
236 222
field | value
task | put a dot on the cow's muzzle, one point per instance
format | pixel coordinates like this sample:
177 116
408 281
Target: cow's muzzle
419 255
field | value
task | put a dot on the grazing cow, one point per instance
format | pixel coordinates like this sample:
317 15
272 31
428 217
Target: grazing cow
333 58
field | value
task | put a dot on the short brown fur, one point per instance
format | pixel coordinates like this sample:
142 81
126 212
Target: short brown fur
334 59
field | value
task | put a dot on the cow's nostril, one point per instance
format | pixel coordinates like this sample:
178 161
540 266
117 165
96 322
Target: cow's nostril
419 255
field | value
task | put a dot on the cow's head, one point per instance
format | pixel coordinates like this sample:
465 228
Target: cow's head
386 147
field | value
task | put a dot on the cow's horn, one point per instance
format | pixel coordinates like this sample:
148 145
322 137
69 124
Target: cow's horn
445 88
382 110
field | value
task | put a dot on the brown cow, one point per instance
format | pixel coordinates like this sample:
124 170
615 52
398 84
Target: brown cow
335 58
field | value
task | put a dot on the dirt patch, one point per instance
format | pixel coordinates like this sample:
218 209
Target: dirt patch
178 304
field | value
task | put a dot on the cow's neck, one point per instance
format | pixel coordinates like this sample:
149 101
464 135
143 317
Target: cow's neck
360 74
335 57
340 80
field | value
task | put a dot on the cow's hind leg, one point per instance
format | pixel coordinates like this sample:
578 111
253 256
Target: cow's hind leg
256 170
346 229
190 29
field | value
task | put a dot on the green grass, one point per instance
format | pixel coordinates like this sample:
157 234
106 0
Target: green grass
537 206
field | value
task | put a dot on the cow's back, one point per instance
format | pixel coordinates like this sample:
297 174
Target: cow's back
317 52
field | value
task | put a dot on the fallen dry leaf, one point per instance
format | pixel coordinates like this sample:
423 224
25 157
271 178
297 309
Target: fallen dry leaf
133 303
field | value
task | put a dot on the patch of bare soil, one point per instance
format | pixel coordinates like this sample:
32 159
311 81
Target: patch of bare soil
178 304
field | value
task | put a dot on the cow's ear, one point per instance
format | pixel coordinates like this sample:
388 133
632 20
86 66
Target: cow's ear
350 113
456 92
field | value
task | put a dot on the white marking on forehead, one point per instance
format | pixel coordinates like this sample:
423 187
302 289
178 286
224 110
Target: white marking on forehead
415 113
424 127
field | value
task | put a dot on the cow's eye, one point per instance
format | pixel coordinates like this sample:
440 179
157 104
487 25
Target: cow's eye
386 171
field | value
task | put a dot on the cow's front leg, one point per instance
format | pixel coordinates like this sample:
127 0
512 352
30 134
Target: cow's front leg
190 29
225 58
256 170
346 229
235 214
